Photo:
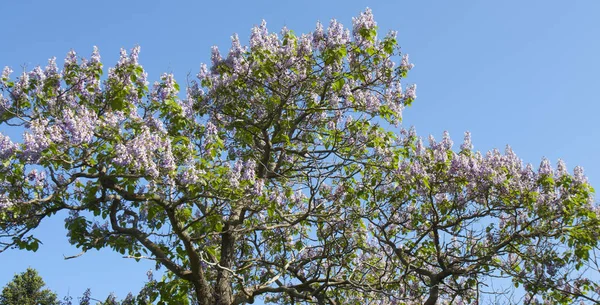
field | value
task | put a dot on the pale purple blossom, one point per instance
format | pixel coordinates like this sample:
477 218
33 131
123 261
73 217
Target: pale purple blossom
467 145
211 130
545 168
135 53
236 173
5 75
166 89
335 34
78 128
364 21
420 148
22 85
257 188
95 58
203 74
191 174
405 64
411 93
51 69
578 175
35 140
7 147
249 172
112 119
37 178
123 58
561 168
146 153
446 141
70 59
305 45
258 37
318 34
215 56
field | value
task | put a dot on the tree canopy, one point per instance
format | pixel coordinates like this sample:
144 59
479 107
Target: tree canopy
283 175
27 288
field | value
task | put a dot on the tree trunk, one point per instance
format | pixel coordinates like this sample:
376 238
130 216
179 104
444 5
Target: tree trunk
223 290
433 295
203 294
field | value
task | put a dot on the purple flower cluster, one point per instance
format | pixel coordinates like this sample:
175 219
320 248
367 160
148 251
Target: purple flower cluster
35 140
78 128
122 76
312 62
245 171
7 147
5 75
495 174
364 21
336 35
37 178
166 89
148 153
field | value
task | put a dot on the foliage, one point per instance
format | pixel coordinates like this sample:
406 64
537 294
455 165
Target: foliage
281 175
27 289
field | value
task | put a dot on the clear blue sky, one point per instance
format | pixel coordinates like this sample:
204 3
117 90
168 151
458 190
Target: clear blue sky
516 72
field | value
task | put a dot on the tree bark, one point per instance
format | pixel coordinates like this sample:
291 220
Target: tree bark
434 293
223 290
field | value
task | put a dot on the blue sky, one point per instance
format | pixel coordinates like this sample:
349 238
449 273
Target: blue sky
523 73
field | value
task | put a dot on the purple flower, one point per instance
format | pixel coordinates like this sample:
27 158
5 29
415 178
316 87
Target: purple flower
405 64
80 127
5 74
203 74
335 34
372 102
236 48
95 58
236 172
305 45
578 175
35 140
135 53
258 187
364 21
561 168
446 141
113 119
21 85
318 34
545 168
166 89
467 145
258 37
70 60
146 153
211 129
215 56
7 147
420 148
51 69
191 175
123 58
38 179
249 172
411 93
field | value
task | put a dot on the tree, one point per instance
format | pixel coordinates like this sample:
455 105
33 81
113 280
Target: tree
26 289
281 175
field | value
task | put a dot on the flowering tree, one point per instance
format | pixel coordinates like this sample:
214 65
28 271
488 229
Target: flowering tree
231 189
